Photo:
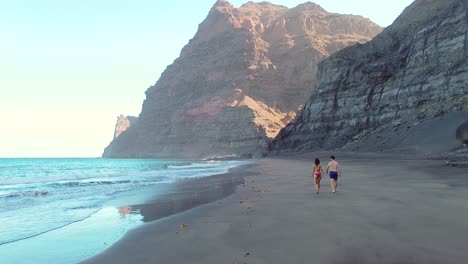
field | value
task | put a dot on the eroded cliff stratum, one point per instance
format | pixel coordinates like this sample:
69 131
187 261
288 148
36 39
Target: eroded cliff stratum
240 80
405 91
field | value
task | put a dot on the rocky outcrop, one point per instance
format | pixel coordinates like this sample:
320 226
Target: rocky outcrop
123 123
462 133
465 102
415 70
457 158
239 81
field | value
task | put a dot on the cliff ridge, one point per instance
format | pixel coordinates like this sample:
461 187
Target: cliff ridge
242 78
412 74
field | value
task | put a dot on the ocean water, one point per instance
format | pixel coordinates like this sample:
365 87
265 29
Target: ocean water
46 204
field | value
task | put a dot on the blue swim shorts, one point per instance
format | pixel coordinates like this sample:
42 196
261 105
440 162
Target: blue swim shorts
334 175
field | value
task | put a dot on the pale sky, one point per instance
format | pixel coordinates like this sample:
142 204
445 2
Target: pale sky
68 68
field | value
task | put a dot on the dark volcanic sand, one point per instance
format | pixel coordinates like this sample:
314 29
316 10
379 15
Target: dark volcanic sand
386 211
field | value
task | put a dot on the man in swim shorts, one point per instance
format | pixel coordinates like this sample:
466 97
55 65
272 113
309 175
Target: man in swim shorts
333 169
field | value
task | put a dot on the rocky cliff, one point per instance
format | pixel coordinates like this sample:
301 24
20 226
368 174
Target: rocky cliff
412 73
123 123
239 81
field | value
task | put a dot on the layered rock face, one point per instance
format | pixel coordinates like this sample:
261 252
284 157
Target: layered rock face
239 81
416 70
465 102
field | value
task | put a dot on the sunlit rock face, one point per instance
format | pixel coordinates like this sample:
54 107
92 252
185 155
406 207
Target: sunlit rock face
415 70
123 123
240 80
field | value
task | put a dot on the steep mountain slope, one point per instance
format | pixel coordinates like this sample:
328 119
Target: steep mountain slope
239 80
414 71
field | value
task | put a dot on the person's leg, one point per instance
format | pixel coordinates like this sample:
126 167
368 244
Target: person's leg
317 183
333 179
332 184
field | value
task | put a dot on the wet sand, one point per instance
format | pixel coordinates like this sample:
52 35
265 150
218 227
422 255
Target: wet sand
187 194
386 211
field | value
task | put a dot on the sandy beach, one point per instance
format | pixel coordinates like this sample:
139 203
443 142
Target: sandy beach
386 210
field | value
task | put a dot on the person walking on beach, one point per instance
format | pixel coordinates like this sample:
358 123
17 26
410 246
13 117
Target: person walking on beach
333 169
318 171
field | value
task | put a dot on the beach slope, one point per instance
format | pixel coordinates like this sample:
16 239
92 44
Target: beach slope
386 211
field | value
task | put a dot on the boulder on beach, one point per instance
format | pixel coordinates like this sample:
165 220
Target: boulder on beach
462 132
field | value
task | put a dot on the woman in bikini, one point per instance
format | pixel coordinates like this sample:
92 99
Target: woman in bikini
318 171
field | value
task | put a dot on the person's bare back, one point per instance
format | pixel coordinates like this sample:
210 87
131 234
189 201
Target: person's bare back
333 165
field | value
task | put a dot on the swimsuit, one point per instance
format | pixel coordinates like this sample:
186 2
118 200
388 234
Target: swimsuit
334 175
317 171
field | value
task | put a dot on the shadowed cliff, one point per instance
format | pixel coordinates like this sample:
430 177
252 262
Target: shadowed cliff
402 91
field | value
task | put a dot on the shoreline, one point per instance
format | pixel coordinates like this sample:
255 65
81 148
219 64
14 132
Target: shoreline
188 194
389 215
170 199
178 188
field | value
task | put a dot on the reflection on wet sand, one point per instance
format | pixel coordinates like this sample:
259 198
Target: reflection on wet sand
187 195
124 211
